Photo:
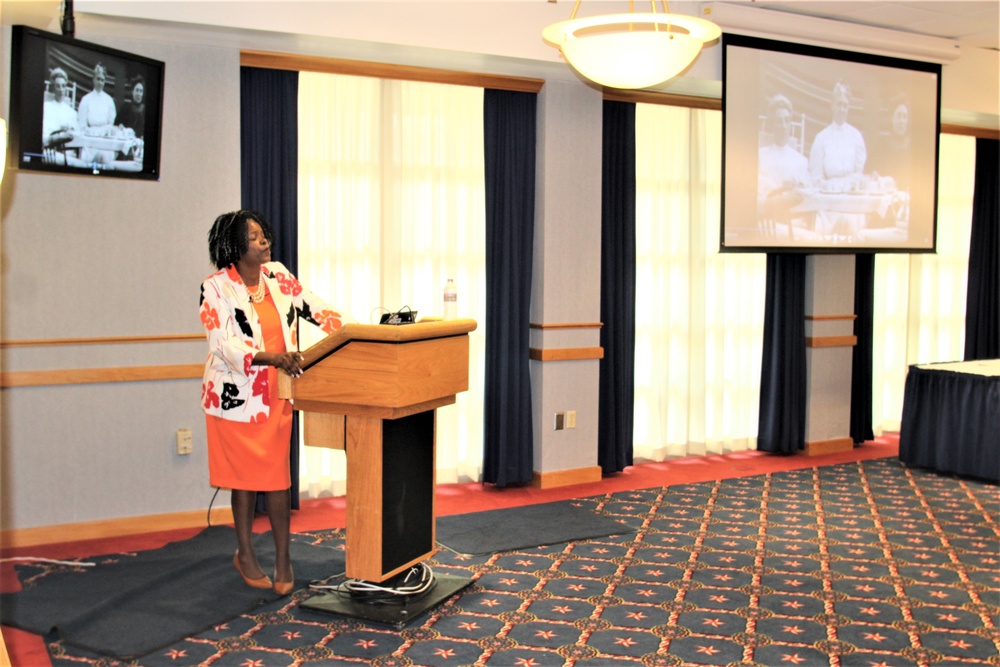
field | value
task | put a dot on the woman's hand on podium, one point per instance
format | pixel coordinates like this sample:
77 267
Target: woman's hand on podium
290 362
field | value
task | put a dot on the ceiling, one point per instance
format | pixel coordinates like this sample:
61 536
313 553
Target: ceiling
972 24
504 36
497 28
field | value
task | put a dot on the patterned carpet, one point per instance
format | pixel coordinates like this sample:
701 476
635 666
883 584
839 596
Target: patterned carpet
866 564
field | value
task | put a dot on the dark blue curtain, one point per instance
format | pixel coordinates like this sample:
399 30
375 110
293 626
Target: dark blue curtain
269 158
509 123
782 420
617 382
269 145
982 305
861 362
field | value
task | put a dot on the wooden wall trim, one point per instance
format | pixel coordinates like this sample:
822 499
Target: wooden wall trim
565 353
108 528
969 131
302 63
103 340
551 480
819 318
820 447
567 325
831 341
100 375
670 99
4 656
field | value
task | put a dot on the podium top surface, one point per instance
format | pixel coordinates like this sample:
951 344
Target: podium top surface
385 333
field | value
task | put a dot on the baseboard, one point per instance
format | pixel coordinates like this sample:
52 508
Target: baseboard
818 447
108 528
551 480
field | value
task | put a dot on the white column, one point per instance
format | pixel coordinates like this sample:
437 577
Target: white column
830 341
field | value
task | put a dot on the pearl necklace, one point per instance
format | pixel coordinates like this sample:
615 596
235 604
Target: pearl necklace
258 294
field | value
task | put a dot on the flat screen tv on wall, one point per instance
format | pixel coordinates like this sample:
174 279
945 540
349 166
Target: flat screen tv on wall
81 108
827 151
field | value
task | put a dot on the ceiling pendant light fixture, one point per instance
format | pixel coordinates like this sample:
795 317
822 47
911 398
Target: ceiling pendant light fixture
633 50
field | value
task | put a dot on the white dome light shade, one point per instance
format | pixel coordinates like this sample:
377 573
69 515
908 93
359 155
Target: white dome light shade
631 50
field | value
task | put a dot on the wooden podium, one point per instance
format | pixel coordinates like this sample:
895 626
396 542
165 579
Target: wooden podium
372 390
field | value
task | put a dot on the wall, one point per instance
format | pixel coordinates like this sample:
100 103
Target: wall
566 275
85 257
970 89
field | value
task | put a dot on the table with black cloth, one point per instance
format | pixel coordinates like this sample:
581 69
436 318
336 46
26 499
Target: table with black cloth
951 418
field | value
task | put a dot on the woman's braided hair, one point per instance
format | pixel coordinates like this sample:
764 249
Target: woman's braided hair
228 238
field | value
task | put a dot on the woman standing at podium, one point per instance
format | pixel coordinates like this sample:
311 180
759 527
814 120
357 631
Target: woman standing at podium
249 308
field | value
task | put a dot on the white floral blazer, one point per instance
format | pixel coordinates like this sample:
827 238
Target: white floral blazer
232 387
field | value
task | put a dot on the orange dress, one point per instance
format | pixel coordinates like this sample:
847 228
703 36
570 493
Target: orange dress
254 456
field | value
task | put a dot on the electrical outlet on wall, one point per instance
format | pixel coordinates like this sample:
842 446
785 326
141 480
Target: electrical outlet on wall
571 419
185 444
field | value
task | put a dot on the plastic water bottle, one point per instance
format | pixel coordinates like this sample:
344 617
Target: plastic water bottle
450 300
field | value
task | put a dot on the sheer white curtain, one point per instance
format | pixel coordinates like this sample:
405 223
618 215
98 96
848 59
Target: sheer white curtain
920 299
699 313
391 205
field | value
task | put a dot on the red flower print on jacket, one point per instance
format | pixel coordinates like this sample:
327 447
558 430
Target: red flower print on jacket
328 320
260 385
288 286
208 396
209 316
247 364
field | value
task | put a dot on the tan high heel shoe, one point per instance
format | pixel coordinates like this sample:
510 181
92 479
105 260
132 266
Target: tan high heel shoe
283 587
260 582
